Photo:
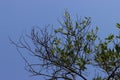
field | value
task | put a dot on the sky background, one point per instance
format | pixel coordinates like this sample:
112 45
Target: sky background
19 16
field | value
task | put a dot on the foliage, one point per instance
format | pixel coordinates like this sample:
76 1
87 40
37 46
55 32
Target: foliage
66 52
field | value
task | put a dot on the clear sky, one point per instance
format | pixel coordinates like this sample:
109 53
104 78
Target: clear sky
19 16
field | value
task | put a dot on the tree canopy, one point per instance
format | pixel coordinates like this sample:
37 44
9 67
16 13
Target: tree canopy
67 52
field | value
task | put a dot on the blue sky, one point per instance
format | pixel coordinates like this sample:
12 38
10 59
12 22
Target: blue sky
19 16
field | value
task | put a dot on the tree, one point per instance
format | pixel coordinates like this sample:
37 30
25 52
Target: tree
66 52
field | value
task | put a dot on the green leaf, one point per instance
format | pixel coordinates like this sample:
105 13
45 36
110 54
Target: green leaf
118 25
110 37
117 48
58 30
